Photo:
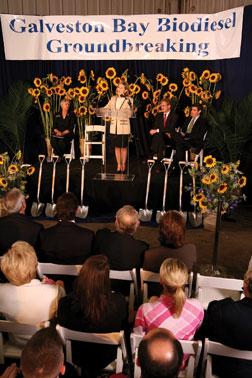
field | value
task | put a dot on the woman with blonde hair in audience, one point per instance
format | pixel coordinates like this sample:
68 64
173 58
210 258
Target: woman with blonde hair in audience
173 310
25 299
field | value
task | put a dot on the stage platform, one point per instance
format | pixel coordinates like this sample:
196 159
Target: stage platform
107 196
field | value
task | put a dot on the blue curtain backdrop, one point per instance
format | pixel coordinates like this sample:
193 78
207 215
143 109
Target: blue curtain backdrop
236 73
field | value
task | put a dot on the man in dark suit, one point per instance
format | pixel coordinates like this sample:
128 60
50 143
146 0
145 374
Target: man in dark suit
192 134
229 322
66 243
124 252
165 122
16 226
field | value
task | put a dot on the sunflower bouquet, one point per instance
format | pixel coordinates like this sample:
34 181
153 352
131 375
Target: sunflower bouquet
13 173
200 89
217 181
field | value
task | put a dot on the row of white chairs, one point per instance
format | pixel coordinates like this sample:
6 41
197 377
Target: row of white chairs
193 348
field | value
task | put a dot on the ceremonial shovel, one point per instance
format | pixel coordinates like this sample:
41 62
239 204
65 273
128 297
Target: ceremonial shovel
38 207
181 163
195 218
82 210
145 214
161 213
68 159
50 210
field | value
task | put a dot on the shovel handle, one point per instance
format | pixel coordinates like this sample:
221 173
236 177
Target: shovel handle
181 183
68 160
166 167
54 160
150 166
41 160
82 182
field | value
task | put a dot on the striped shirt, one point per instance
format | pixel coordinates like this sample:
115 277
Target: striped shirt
159 314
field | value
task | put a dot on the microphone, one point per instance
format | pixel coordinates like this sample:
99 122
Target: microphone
129 103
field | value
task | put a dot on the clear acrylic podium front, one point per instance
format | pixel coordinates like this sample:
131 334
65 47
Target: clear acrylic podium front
107 114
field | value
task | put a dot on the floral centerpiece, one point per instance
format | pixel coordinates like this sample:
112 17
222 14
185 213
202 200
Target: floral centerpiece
13 173
217 181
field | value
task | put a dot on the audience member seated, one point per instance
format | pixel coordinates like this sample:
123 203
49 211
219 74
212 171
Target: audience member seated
24 298
124 252
173 311
92 307
16 226
43 356
229 322
66 243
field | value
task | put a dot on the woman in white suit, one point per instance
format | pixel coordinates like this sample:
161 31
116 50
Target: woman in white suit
120 126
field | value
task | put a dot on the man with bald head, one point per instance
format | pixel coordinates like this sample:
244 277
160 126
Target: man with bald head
160 355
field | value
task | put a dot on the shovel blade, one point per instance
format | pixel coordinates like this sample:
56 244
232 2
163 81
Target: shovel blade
159 215
195 219
50 210
184 214
145 215
82 212
37 209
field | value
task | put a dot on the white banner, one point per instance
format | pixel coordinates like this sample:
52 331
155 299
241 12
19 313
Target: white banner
136 37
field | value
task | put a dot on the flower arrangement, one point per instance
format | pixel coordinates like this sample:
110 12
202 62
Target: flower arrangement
217 181
13 173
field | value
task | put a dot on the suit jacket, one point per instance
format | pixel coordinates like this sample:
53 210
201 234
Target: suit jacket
66 243
123 251
229 322
119 125
170 124
14 227
198 130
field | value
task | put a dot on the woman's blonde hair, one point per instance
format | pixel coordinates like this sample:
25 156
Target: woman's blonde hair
19 264
174 276
126 87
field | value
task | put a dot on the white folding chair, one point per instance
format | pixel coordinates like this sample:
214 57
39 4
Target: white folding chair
148 277
189 347
212 347
9 348
88 142
113 338
49 268
216 288
130 276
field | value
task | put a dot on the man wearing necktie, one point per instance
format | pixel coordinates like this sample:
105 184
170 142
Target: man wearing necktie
192 133
164 123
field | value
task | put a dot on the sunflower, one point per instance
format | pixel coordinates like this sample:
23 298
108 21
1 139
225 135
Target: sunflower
145 95
157 93
198 91
30 171
46 107
82 110
13 169
68 80
193 88
142 78
3 182
82 77
37 82
116 81
217 94
137 89
57 89
132 87
203 204
146 115
124 79
198 197
62 92
36 92
209 161
62 80
213 78
84 91
237 163
187 92
110 73
206 180
55 79
187 111
213 177
49 92
186 82
91 110
192 76
70 92
222 188
154 111
148 107
206 74
81 99
204 96
225 169
173 87
43 87
164 81
168 95
155 100
242 181
104 85
1 160
218 76
30 91
159 77
77 91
